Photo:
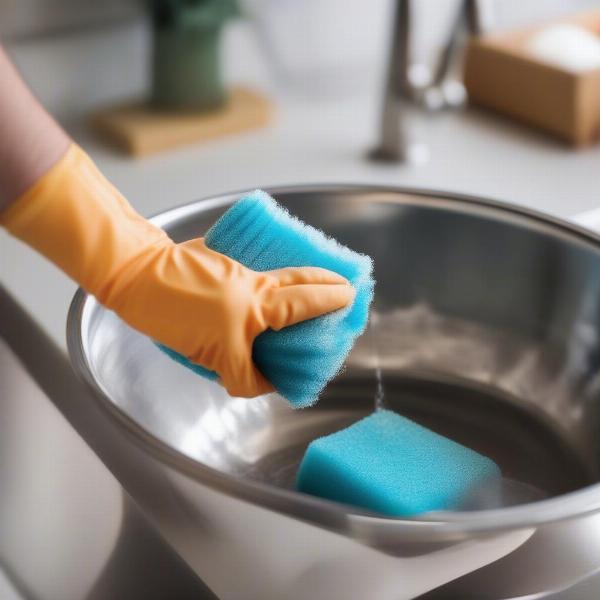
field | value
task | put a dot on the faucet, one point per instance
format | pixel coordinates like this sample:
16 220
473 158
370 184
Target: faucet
409 85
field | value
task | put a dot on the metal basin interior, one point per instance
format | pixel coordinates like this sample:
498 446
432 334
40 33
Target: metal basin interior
485 329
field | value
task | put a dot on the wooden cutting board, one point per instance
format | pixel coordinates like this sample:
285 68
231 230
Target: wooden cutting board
140 130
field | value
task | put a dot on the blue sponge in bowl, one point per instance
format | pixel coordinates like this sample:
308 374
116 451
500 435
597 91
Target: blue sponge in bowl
389 464
301 359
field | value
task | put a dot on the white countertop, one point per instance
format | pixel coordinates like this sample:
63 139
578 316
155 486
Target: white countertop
315 141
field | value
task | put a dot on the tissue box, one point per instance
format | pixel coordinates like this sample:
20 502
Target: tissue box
503 75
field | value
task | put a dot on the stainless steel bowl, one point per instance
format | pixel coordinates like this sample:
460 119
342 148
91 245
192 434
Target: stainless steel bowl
486 330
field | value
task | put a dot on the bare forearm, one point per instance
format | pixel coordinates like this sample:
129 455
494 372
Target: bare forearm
30 140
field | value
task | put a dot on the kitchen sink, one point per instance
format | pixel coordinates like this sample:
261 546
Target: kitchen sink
68 530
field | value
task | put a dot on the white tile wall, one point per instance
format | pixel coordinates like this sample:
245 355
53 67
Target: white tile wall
30 17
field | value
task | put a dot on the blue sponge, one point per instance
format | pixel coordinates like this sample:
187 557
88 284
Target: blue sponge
301 359
388 464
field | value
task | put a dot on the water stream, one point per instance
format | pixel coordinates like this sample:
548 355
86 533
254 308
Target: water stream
379 391
379 394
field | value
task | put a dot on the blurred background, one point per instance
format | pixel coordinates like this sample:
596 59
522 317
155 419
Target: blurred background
96 51
322 65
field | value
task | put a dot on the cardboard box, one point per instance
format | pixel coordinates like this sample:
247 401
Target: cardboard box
501 74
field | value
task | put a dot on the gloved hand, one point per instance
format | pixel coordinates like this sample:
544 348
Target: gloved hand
198 302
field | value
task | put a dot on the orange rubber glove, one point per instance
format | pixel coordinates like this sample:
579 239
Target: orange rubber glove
198 302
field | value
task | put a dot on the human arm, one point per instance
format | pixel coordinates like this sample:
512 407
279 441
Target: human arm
197 302
30 140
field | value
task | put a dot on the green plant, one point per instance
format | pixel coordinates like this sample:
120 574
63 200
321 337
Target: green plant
186 66
193 14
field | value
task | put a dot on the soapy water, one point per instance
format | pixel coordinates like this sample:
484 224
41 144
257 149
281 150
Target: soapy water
280 466
501 493
379 392
280 469
492 494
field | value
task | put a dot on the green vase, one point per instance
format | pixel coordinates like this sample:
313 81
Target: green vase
186 69
186 61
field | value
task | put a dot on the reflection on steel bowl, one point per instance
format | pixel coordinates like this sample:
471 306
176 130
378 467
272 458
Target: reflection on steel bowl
487 332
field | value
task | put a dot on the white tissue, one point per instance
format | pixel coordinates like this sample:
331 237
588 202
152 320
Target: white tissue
568 46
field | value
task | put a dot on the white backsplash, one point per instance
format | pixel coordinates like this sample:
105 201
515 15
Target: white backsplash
73 70
34 17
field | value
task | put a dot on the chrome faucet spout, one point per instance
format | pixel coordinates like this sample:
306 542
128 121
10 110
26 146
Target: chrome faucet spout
444 90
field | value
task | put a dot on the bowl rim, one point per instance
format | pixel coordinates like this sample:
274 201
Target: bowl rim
374 529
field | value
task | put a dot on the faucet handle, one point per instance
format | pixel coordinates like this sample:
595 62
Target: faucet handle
474 17
443 90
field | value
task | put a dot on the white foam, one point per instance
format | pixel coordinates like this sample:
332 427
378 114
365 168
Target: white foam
568 46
